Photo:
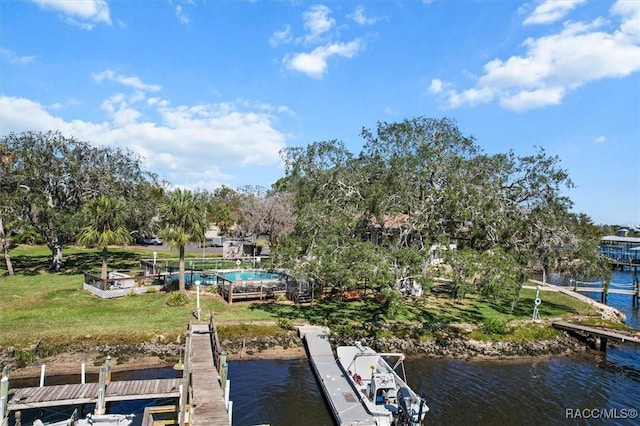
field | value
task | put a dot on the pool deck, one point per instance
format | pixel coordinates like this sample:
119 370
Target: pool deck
270 287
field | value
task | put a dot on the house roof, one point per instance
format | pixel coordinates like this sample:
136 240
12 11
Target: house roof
617 239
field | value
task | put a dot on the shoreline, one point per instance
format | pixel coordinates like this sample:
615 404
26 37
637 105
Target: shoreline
147 356
70 362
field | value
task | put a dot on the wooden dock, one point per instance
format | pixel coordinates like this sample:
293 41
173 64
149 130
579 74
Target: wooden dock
346 407
76 394
602 336
208 404
632 290
204 402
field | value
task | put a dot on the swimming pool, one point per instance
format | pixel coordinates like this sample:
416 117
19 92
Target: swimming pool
251 275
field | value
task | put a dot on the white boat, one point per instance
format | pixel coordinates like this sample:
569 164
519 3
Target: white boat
92 419
382 391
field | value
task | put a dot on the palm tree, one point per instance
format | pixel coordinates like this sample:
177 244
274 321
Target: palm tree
182 217
105 226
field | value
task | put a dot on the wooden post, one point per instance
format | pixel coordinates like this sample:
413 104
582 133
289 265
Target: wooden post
600 343
224 369
107 366
186 379
4 393
102 388
230 296
42 371
226 392
222 361
83 373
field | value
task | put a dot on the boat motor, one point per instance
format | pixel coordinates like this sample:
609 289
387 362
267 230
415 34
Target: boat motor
408 416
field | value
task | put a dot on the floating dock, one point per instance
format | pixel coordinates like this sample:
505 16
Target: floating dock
342 398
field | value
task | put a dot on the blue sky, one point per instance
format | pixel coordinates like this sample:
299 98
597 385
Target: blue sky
209 92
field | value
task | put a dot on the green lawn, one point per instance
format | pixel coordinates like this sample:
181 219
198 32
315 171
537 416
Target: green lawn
36 305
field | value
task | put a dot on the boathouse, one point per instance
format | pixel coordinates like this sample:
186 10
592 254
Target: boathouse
624 250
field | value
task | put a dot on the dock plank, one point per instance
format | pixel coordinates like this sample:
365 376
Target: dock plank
209 408
73 394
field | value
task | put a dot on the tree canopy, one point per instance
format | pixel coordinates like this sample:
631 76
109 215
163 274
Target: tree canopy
50 177
182 215
421 183
376 216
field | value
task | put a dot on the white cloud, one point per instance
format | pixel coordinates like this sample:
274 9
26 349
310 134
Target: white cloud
319 25
317 22
436 86
630 13
281 37
314 64
551 11
82 13
182 15
133 81
537 98
600 139
20 115
554 65
198 145
360 17
13 58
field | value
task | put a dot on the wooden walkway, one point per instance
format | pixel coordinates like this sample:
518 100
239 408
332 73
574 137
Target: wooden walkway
600 290
202 404
602 335
208 402
74 394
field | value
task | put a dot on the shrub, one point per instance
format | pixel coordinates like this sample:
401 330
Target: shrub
494 326
285 323
393 304
28 236
177 299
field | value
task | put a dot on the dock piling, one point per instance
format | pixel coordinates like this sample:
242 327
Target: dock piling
224 370
42 371
102 385
107 368
4 395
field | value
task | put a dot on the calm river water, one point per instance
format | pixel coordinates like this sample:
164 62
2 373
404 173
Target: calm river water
585 389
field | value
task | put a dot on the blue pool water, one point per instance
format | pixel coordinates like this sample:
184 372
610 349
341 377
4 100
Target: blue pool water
209 279
251 275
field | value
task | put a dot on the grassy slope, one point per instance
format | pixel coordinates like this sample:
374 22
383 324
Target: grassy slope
53 308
